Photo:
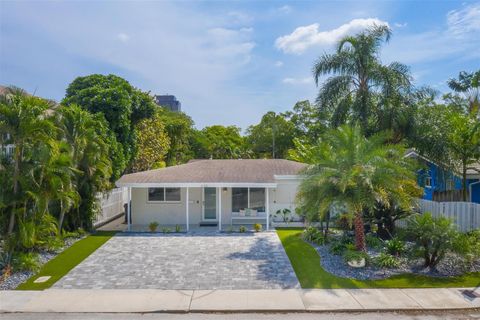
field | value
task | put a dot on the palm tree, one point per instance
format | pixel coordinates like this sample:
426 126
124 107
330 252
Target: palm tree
356 172
88 138
359 80
468 83
24 122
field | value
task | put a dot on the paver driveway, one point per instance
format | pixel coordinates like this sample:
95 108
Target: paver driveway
185 261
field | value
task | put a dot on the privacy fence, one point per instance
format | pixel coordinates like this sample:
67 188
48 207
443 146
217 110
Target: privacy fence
465 215
112 205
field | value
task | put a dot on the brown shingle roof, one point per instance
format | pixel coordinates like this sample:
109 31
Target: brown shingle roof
217 171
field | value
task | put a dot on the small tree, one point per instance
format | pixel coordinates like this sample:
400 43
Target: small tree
433 237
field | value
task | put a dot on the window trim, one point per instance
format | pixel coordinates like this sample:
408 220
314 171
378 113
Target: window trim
164 195
248 198
429 179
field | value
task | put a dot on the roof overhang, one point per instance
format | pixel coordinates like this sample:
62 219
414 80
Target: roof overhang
198 185
288 177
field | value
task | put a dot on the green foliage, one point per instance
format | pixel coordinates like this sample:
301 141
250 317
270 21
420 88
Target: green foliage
395 247
373 241
468 83
257 227
313 235
385 260
242 229
153 144
285 214
433 237
468 246
272 137
53 244
309 121
166 230
121 104
219 142
178 228
354 255
152 226
26 262
179 128
337 248
356 172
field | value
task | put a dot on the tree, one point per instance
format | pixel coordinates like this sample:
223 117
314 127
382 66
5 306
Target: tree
219 142
358 173
153 144
309 122
121 104
24 123
272 137
464 143
90 141
468 83
360 81
179 128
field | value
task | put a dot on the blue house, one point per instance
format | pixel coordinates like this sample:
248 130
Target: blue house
444 185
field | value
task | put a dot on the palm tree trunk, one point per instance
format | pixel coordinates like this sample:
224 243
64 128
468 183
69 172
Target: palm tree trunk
359 231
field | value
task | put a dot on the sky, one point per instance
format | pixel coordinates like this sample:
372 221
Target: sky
228 62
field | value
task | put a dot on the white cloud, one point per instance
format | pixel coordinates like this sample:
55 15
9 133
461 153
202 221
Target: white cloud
400 25
297 81
123 37
285 9
464 21
305 37
279 64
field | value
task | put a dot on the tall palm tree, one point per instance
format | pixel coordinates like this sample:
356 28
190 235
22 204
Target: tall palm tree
468 83
356 172
24 122
358 80
88 137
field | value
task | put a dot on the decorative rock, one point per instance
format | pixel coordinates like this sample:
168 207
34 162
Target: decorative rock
42 279
357 263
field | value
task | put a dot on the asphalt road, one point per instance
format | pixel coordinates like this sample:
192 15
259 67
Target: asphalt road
424 315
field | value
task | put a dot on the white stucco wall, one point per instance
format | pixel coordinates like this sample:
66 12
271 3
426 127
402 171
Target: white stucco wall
171 213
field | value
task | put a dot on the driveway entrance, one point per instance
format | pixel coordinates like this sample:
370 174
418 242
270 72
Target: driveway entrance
185 261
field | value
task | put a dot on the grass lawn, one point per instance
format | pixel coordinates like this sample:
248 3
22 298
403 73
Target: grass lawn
66 261
306 263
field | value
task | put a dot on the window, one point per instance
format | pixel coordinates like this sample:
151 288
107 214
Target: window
450 185
253 198
239 199
163 194
428 182
257 199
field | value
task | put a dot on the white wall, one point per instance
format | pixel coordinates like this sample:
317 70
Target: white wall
144 212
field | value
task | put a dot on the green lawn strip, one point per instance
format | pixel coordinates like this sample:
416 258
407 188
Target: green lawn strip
306 263
66 261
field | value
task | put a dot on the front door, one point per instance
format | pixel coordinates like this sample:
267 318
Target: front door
209 203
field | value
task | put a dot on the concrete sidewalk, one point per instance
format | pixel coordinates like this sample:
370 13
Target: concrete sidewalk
150 300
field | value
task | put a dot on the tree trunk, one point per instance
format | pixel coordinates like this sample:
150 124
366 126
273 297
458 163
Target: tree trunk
60 219
359 231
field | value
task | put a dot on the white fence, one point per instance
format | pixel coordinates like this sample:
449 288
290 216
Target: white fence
465 215
112 205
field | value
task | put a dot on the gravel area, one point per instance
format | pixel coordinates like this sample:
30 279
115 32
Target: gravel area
17 278
335 264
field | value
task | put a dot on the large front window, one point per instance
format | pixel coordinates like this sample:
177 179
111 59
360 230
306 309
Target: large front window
163 194
252 198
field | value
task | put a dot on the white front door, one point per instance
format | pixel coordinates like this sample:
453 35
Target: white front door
209 204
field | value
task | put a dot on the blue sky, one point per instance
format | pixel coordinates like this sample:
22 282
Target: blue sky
227 62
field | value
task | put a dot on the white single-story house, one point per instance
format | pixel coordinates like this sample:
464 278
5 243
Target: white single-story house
212 192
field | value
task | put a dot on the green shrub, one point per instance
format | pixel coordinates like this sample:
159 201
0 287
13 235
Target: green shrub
26 262
385 260
353 255
166 230
337 248
257 227
153 226
242 229
468 246
312 234
178 228
433 237
395 247
53 244
373 241
350 247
